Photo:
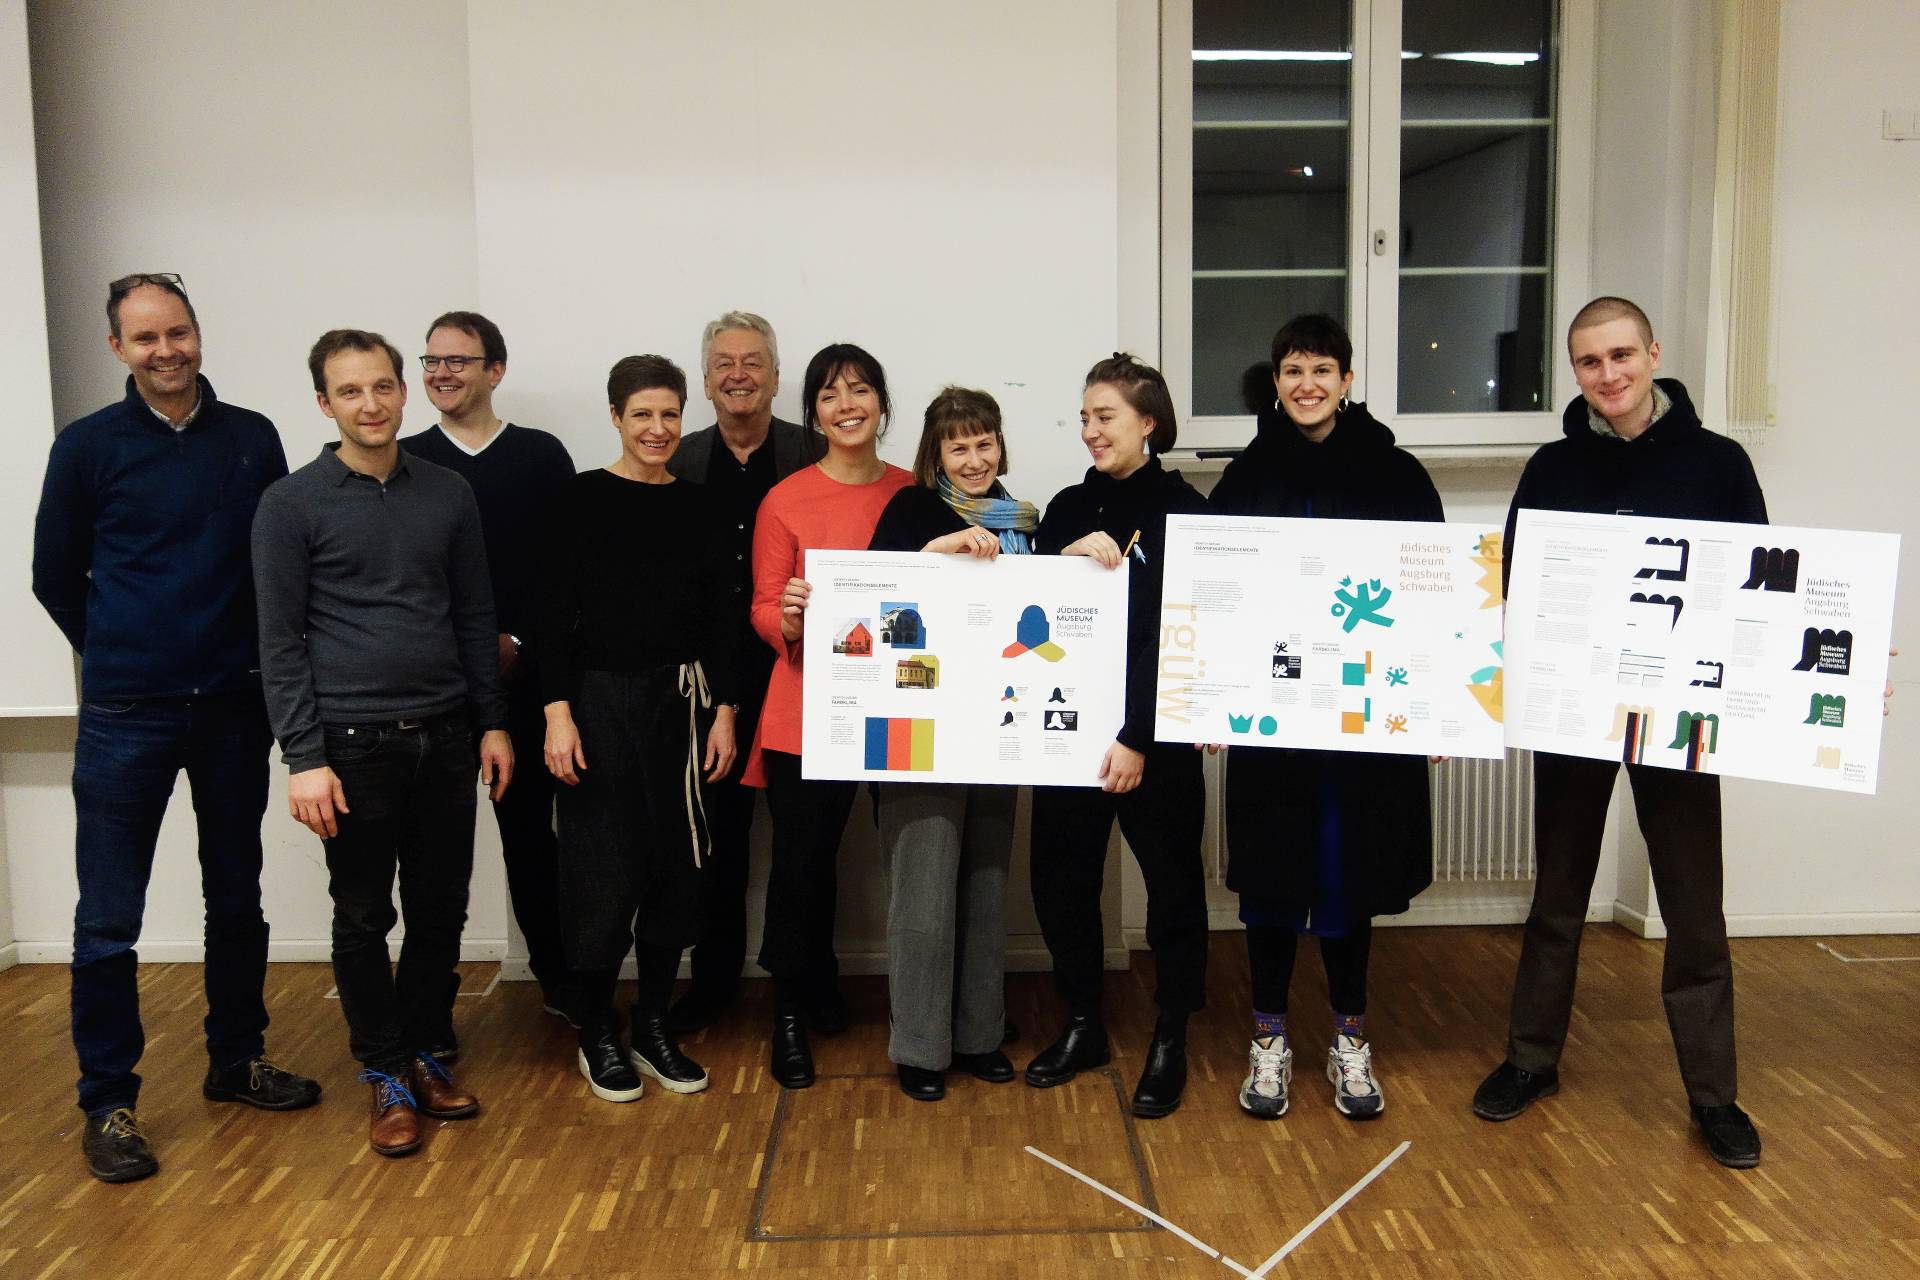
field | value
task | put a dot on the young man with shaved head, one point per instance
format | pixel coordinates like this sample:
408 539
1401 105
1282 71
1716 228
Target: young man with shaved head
140 556
1633 445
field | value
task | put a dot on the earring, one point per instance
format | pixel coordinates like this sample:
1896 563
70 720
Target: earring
1276 402
1343 404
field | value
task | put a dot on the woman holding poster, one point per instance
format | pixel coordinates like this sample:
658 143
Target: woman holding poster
831 505
1321 841
948 844
1117 515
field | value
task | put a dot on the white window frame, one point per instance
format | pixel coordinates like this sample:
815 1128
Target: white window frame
1373 282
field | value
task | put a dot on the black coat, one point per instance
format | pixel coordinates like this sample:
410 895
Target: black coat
1126 510
1273 795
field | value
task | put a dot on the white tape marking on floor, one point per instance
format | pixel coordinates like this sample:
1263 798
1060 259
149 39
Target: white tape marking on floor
1866 959
1142 1210
1328 1212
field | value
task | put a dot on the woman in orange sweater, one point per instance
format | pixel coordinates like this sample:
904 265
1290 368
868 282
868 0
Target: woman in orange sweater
832 505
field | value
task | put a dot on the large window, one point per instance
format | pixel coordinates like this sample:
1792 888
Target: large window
1406 166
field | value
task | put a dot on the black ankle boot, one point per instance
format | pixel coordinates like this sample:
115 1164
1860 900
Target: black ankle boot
1081 1047
791 1060
655 1054
1164 1076
922 1084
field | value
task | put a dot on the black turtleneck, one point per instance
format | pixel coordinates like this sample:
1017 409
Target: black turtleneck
1130 511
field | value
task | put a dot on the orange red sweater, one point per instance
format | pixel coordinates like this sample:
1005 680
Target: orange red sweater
809 510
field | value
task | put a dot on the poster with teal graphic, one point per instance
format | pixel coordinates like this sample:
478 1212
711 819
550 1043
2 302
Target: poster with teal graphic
932 668
1343 635
1753 651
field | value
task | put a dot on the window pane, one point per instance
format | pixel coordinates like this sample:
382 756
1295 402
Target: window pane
1473 343
1233 327
1271 104
1476 201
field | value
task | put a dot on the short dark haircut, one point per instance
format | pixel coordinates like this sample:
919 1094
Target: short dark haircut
956 413
474 325
633 374
118 290
828 363
1314 335
335 341
1144 390
1607 308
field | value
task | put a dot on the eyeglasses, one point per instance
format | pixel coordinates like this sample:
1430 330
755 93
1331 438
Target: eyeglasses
127 284
454 364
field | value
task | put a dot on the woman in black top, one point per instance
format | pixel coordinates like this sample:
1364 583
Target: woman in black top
1321 841
948 844
1117 515
639 674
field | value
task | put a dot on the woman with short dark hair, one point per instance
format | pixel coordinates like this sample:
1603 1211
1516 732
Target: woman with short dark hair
1117 515
948 844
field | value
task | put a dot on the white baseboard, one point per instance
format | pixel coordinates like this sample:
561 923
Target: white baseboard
1781 925
293 951
9 956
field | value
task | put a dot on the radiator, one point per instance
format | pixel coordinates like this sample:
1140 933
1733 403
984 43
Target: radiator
1483 819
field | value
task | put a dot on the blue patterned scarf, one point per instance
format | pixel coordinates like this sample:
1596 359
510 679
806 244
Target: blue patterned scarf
1013 519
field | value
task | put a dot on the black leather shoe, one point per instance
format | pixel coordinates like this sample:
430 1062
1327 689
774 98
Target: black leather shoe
605 1065
991 1066
116 1149
1163 1078
791 1060
1509 1091
261 1083
1730 1136
655 1054
827 1012
701 1006
922 1084
1081 1047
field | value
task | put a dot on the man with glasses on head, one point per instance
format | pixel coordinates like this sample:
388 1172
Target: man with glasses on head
140 554
518 476
744 454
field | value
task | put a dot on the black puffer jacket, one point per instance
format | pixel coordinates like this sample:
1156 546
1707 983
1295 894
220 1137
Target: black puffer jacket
1676 467
1274 796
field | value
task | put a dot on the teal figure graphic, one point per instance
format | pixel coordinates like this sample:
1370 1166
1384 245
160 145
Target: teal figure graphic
1396 675
1364 603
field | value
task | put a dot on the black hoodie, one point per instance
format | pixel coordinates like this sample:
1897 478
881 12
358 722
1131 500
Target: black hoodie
1676 467
1356 473
1126 510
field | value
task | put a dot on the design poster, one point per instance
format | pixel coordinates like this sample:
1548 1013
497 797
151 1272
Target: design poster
1345 635
932 668
1754 651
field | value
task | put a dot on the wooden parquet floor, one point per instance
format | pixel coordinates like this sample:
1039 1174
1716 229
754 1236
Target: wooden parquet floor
1607 1180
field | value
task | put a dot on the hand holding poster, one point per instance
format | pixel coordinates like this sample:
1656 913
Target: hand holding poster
932 668
1346 635
1755 651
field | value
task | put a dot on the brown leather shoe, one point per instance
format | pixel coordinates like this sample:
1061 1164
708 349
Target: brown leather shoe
435 1092
395 1126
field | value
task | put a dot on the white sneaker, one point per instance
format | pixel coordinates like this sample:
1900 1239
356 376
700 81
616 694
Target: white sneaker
1350 1067
1269 1072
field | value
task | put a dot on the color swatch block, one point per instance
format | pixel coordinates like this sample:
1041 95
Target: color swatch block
899 745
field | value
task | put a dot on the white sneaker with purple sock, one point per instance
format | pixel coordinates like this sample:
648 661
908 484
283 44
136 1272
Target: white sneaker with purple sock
1350 1067
1269 1072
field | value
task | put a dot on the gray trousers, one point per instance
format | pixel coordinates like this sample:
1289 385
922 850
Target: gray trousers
947 847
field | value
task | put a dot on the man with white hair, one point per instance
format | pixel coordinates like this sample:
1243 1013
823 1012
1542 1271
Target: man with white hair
738 459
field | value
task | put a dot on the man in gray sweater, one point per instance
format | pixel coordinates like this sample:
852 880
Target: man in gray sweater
378 658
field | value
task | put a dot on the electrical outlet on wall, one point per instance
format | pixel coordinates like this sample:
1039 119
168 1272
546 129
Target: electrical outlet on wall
1899 126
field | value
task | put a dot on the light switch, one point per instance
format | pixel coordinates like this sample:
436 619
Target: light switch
1899 126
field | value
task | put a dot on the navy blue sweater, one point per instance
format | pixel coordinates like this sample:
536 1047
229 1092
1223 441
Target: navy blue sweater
141 546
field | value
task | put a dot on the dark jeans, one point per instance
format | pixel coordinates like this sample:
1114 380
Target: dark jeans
809 817
412 801
528 848
722 950
1680 818
125 762
1163 819
1271 951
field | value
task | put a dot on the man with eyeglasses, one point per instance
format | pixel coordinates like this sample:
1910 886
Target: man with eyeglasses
140 554
518 476
744 454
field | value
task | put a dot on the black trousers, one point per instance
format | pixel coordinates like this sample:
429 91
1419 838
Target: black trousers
528 848
632 833
411 797
1271 951
1162 819
722 950
803 883
1680 818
